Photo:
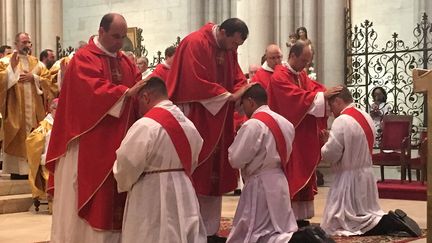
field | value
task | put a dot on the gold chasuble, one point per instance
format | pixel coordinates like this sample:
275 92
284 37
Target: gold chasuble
22 104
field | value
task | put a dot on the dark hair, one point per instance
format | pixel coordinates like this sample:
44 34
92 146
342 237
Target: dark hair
106 21
170 51
3 48
154 85
257 93
344 94
297 48
234 25
298 30
44 54
293 34
382 90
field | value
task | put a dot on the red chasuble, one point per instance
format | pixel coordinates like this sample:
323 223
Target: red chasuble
291 97
160 71
201 70
276 131
93 83
361 120
262 77
176 133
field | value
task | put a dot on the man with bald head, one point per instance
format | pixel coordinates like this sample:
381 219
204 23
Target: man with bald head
95 104
26 88
273 56
302 101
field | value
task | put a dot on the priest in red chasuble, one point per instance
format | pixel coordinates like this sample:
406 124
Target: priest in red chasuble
94 113
302 101
205 80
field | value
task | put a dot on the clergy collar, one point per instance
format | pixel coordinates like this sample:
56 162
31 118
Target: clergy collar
99 45
166 65
266 67
291 69
215 28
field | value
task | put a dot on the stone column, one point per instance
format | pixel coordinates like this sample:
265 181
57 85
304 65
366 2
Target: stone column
284 23
331 44
29 22
51 22
11 21
2 23
195 15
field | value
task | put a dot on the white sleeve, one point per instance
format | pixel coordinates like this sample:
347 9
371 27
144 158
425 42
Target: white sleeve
318 106
116 110
333 149
214 104
12 77
132 155
246 145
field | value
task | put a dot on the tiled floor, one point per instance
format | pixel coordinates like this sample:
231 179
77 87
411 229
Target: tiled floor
35 227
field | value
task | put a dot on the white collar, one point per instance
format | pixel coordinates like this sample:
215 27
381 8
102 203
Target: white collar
266 67
99 45
261 108
291 69
214 32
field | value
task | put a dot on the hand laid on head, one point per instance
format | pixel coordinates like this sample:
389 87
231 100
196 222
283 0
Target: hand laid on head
26 77
137 86
63 65
14 60
332 91
238 94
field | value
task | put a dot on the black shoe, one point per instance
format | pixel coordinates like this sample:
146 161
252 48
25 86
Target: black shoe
302 223
216 239
311 235
404 223
18 177
237 192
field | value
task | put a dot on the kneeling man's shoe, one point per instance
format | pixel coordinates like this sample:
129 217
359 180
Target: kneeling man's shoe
314 234
405 223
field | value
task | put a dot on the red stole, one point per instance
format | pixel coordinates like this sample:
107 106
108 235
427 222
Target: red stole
176 133
272 124
358 116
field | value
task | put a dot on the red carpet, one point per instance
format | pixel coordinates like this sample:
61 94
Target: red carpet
394 189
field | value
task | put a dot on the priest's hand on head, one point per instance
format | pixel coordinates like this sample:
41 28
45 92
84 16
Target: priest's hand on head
332 91
26 77
238 94
14 60
137 86
63 65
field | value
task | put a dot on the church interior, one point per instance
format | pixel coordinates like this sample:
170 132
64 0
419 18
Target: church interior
360 44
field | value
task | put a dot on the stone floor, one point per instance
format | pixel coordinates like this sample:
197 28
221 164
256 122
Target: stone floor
35 227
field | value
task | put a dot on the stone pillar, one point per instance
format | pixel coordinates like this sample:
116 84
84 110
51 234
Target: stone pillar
11 21
195 15
29 22
331 44
284 23
51 23
2 23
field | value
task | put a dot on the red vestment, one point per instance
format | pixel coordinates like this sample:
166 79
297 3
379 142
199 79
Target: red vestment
201 70
262 77
93 83
292 97
160 71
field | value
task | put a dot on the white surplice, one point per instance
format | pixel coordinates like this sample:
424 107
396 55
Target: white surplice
352 202
160 207
264 211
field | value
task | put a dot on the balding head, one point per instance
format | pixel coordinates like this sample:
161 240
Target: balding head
273 55
300 55
112 31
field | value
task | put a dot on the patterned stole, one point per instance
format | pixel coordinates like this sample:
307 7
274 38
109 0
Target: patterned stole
116 75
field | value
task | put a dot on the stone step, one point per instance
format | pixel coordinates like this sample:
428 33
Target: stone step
13 187
15 203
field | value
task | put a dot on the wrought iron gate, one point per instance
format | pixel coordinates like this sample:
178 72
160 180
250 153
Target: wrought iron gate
368 66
